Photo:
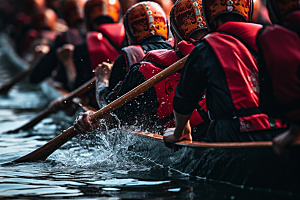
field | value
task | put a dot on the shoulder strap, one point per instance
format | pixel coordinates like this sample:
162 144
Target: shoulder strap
250 49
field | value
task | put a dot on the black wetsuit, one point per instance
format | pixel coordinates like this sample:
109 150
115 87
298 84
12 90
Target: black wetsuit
119 69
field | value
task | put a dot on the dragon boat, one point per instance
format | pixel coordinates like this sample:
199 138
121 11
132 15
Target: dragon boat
252 165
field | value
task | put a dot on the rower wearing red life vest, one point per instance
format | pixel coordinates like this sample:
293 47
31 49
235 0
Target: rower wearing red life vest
225 63
28 8
50 64
23 22
146 29
153 109
42 34
104 41
154 106
279 69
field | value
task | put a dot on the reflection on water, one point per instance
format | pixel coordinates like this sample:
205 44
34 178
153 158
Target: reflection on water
112 165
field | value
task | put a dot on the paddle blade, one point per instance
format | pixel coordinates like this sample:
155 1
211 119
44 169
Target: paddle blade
44 151
6 87
32 123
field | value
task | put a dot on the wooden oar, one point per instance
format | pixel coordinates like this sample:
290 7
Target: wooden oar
78 92
43 152
7 86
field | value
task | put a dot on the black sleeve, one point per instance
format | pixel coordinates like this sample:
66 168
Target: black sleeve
46 64
118 74
83 65
144 103
191 85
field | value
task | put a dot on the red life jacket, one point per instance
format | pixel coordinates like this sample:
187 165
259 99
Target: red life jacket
105 44
235 47
133 54
280 69
165 90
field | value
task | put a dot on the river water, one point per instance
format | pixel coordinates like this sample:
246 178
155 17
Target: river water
102 165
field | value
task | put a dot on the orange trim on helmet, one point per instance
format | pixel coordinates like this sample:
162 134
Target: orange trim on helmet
187 17
145 19
213 8
73 10
97 8
45 19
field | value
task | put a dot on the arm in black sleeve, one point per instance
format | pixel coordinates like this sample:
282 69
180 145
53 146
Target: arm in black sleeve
118 74
134 109
83 65
191 85
46 64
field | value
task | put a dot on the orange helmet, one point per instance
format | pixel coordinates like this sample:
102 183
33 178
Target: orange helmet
187 17
44 19
31 6
145 19
73 11
278 9
214 8
97 8
165 4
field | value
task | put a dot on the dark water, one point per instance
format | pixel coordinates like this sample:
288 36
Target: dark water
102 165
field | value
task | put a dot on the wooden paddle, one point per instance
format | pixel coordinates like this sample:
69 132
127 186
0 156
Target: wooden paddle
78 92
7 86
43 152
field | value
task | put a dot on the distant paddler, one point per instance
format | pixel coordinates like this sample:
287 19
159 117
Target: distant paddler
35 42
53 63
102 43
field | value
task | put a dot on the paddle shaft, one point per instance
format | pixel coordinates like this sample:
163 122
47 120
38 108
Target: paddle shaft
43 152
7 86
78 92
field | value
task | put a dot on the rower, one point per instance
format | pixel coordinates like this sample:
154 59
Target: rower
103 44
144 33
279 67
40 36
50 64
23 21
104 40
154 107
224 63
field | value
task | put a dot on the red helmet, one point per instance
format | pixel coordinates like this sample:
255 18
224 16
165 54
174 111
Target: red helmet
73 10
30 6
187 17
278 9
214 8
44 19
145 19
97 8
